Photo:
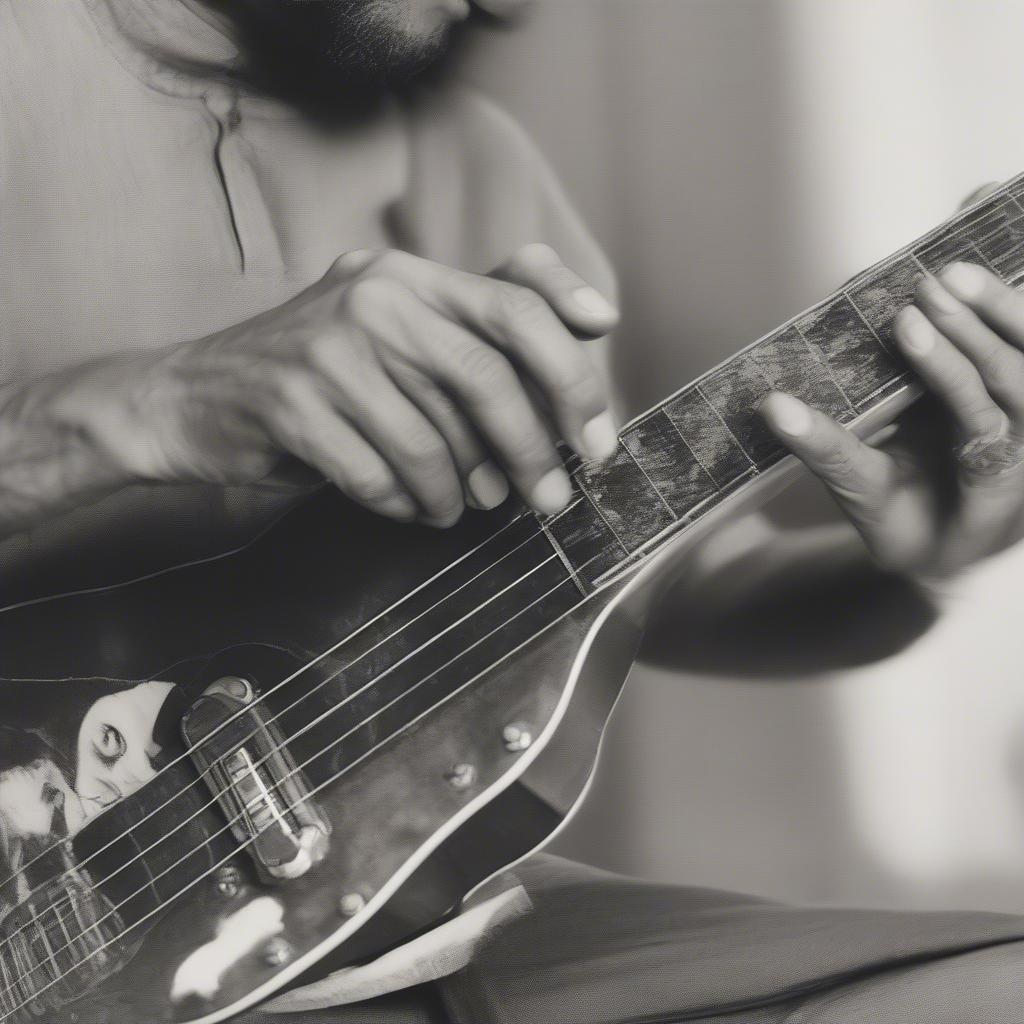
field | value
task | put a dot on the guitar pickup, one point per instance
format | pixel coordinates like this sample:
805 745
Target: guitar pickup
240 751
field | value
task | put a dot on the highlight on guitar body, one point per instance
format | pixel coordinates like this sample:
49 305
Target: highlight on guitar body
318 744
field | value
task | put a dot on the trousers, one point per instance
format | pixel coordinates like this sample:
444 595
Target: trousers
602 948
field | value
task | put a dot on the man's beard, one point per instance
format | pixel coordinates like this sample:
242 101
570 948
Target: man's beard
315 47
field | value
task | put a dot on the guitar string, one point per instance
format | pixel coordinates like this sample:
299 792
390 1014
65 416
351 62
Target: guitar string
325 681
927 241
997 195
324 654
215 798
21 978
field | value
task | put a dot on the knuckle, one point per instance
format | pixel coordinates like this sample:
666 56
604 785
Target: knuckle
291 389
367 297
391 260
485 368
838 463
324 351
534 254
577 384
353 261
424 448
1000 363
516 304
532 448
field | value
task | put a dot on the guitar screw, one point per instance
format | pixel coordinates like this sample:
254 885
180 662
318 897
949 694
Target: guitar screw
228 882
277 952
461 776
350 904
516 737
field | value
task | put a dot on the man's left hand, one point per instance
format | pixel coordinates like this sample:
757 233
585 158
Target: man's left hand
947 488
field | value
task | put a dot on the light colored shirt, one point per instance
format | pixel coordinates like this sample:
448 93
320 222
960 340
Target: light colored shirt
144 202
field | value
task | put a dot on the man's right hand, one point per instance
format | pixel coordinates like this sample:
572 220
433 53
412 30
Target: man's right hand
410 385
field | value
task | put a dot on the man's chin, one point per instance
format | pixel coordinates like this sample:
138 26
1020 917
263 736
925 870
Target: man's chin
299 45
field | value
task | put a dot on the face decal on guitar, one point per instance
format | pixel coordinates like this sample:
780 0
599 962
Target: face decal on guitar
116 747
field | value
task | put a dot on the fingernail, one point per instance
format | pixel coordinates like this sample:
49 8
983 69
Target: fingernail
931 289
398 507
964 279
591 301
789 414
599 437
914 330
487 485
552 492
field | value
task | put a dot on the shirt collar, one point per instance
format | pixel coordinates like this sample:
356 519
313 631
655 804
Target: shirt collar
168 44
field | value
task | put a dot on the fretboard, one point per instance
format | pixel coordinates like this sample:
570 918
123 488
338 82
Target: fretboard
680 459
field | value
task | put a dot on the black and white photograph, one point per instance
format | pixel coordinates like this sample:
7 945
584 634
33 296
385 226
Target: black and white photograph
511 511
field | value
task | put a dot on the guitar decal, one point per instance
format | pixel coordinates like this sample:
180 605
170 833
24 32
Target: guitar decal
117 746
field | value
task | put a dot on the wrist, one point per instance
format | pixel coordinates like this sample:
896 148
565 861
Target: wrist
49 459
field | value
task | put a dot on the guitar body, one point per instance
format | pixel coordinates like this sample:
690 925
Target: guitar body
408 838
214 777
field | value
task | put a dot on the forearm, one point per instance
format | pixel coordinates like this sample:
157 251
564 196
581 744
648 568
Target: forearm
757 600
50 458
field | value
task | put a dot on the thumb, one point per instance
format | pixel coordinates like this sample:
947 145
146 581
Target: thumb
581 307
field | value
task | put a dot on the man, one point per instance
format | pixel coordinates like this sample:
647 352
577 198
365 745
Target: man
235 260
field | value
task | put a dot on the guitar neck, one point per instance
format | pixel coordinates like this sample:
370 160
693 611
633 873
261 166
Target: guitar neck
706 442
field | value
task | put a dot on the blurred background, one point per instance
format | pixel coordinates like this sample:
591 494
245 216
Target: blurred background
739 159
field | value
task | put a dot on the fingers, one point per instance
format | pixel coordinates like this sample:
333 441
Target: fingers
972 355
486 486
579 305
492 394
948 374
307 426
416 451
489 394
860 477
532 325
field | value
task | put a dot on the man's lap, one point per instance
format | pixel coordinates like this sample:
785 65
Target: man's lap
607 949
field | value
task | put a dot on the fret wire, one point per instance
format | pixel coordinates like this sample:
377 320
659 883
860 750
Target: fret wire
950 234
212 801
824 362
21 974
689 447
8 987
315 789
518 518
68 941
878 390
42 935
952 228
721 419
654 486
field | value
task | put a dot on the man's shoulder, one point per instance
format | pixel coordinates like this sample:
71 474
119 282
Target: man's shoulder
481 188
467 117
